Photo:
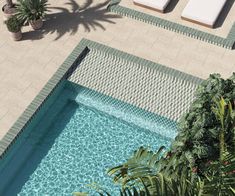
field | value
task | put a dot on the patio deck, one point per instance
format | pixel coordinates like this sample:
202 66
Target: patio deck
27 65
175 9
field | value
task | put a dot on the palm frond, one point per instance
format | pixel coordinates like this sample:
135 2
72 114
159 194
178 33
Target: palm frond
31 10
221 176
143 163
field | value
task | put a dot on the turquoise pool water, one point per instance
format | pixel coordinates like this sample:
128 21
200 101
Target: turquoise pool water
77 148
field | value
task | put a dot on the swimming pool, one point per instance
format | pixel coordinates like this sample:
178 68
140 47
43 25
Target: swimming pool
78 137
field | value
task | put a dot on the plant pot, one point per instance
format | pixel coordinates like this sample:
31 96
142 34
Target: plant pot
8 12
16 36
36 24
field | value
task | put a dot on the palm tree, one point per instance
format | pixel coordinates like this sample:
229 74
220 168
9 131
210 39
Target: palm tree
143 171
221 174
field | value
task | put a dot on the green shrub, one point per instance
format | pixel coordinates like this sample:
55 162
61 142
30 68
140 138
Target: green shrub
198 137
30 10
13 24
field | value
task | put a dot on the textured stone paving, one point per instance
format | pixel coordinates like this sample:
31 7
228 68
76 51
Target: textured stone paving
27 65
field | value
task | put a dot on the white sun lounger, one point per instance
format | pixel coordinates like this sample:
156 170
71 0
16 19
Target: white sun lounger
158 5
204 12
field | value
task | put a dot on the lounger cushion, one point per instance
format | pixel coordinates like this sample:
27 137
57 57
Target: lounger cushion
156 4
203 11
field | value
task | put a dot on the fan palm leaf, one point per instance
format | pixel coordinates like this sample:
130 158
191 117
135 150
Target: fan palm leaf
30 10
143 163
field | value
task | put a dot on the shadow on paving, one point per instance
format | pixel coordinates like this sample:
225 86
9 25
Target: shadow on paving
224 13
171 6
69 20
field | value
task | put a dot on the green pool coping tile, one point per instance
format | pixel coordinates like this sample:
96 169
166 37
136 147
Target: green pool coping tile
5 142
227 42
9 137
13 130
12 134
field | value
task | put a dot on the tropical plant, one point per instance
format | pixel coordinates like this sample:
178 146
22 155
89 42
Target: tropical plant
143 171
198 131
143 163
140 176
13 24
31 10
220 176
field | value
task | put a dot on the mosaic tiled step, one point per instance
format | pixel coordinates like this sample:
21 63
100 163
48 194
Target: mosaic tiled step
137 81
227 42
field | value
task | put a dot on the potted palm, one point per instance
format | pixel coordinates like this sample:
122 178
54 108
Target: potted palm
14 27
8 9
32 12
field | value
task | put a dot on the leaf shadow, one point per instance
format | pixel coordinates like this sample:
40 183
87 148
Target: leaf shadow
70 20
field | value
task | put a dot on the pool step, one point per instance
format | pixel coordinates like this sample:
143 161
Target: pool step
145 84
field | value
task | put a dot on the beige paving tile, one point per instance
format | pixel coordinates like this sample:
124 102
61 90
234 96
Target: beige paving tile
144 51
3 91
18 87
102 36
165 61
13 98
196 67
172 52
30 93
123 45
3 111
229 56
